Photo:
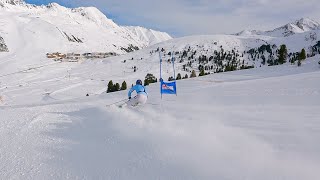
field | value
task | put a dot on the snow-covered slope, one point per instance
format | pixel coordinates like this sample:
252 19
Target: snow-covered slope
256 124
261 123
5 3
28 28
148 35
299 26
216 51
92 27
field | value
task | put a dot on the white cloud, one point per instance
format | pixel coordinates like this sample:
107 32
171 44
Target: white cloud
187 17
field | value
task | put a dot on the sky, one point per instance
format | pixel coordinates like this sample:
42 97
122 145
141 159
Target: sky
195 17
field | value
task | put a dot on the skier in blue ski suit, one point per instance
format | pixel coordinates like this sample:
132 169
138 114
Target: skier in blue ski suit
141 97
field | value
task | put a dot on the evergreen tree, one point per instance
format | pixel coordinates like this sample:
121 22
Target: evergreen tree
202 73
178 76
302 55
193 74
116 87
282 54
146 83
184 54
150 78
263 60
123 85
110 87
184 67
186 76
292 61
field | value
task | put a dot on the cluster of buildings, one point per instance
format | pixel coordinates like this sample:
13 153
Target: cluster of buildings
76 57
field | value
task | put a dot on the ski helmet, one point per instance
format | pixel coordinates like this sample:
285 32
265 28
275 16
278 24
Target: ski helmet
138 82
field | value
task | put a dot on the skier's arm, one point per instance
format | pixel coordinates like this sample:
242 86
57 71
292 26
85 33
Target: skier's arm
130 91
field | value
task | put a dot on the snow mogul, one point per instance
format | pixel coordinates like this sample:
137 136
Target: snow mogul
141 97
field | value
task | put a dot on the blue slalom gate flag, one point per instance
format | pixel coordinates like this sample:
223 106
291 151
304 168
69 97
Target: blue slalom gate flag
168 87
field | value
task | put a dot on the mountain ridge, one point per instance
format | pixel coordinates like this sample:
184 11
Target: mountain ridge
299 26
88 19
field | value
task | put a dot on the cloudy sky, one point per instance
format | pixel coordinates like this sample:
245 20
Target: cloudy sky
189 17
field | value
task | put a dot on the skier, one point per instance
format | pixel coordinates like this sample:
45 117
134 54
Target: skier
141 97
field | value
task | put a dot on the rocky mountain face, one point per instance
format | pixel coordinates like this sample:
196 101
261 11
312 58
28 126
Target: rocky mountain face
3 46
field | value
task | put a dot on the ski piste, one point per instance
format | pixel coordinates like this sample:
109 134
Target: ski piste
50 129
122 104
118 102
129 106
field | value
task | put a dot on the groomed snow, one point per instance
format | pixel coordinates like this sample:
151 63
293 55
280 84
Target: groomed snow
253 124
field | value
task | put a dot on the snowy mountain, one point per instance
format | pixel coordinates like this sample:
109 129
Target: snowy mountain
220 53
79 29
50 129
3 3
148 35
58 122
299 26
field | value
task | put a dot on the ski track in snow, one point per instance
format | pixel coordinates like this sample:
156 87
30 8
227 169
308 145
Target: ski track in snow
239 125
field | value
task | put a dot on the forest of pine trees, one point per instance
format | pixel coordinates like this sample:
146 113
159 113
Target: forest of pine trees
116 87
199 60
150 78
